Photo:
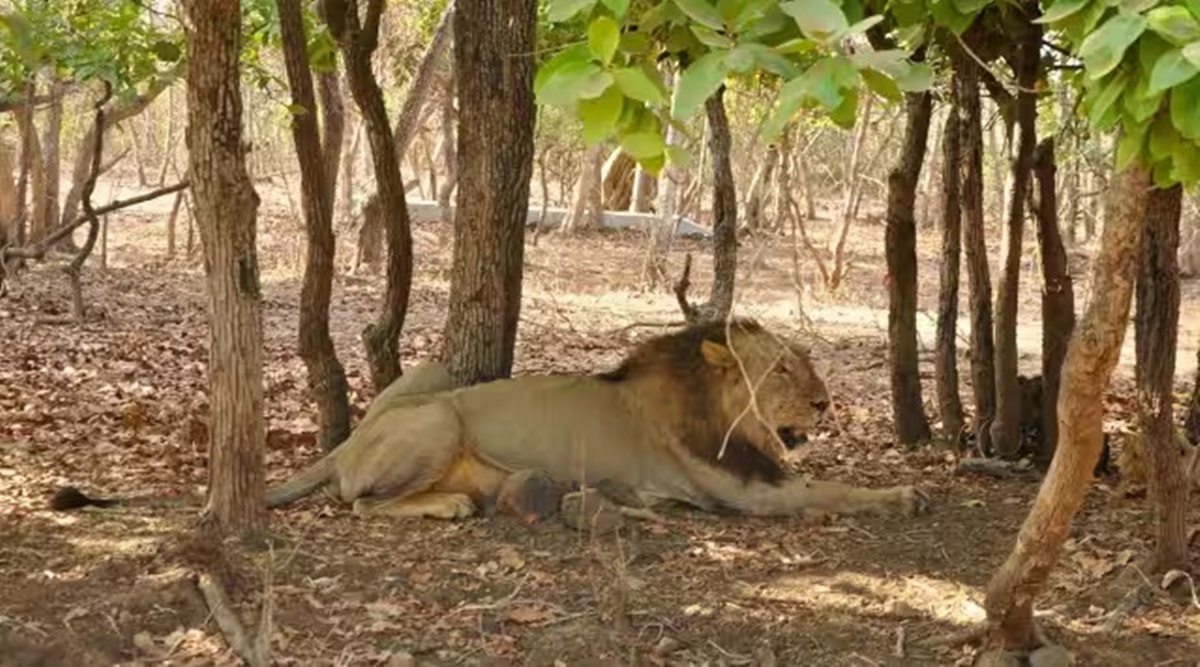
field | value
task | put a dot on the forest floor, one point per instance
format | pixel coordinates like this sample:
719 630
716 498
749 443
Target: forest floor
117 405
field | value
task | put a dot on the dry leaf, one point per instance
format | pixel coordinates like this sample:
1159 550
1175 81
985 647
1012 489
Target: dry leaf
525 615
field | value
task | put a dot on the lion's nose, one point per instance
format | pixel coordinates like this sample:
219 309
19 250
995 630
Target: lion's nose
821 406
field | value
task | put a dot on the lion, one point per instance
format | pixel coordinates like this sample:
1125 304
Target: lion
703 416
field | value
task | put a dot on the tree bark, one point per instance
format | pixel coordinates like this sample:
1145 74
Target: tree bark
1156 328
449 154
494 70
857 141
901 248
643 190
31 154
51 151
654 267
226 211
946 357
758 188
418 92
1191 423
586 207
724 207
983 375
1058 298
357 42
1093 353
1006 428
333 121
326 376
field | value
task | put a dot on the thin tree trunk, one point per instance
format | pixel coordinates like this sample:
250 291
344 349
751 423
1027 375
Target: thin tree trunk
38 226
51 151
168 154
495 160
1156 327
449 154
983 375
643 190
333 126
758 188
1006 428
1093 353
937 164
585 202
358 42
326 376
901 248
851 189
28 141
1191 423
418 92
654 267
946 357
724 207
172 225
1058 298
226 212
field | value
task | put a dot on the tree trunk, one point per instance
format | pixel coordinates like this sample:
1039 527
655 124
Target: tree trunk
28 140
173 225
357 42
937 165
724 207
495 162
901 249
333 121
326 376
38 226
418 92
585 202
617 181
1156 327
8 193
1093 353
449 155
51 151
643 190
654 267
1058 298
758 188
119 112
946 357
1191 423
226 211
858 139
983 375
1006 428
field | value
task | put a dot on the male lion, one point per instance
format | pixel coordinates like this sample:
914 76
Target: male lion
674 421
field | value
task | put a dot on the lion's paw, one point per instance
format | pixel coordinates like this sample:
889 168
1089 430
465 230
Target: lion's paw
913 501
453 506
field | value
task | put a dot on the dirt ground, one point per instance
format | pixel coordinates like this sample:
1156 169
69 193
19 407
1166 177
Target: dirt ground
117 405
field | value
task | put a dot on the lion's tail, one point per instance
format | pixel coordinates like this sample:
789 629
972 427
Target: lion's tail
303 484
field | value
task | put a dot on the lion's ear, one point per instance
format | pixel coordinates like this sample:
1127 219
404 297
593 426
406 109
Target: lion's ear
717 354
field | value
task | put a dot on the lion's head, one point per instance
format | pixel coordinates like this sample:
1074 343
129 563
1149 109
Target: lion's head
703 377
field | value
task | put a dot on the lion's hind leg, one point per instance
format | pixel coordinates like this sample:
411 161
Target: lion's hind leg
431 504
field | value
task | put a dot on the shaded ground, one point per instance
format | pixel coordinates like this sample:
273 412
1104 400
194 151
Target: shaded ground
118 405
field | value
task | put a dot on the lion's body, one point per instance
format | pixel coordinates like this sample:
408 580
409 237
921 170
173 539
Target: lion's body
656 425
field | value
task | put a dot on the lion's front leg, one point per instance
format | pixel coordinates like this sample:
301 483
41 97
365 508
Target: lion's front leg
802 495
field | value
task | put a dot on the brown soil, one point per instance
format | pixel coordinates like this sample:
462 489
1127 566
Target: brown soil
117 406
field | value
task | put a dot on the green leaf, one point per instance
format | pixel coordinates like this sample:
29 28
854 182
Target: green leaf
1185 100
599 115
635 43
636 84
843 115
297 109
1129 148
1163 138
1060 10
679 157
1171 70
971 7
1192 53
653 164
1139 103
740 60
1161 174
577 54
166 51
819 20
617 7
702 12
641 145
1136 6
946 15
771 61
1078 26
1100 99
1176 24
750 11
864 25
603 37
1186 163
561 10
712 38
573 82
1151 47
881 85
697 83
1103 50
918 78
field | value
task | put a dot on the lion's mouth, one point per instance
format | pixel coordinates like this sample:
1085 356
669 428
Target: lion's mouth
791 437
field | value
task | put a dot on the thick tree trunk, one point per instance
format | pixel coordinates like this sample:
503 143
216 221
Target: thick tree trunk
946 356
226 211
28 143
1156 327
333 121
901 248
357 42
494 72
1058 298
983 375
326 376
1006 428
1093 353
37 225
616 177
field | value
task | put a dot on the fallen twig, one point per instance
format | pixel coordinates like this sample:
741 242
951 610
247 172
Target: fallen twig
227 620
